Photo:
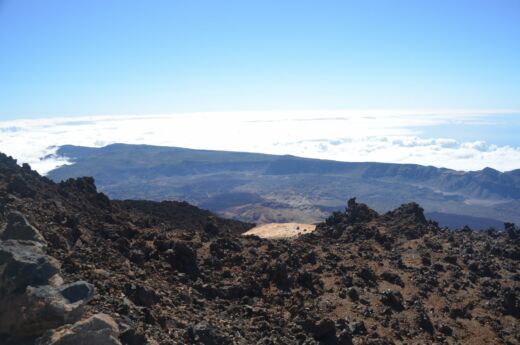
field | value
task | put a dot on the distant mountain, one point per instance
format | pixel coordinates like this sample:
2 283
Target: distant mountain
263 188
457 221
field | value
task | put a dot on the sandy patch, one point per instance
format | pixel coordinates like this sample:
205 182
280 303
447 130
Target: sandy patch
281 230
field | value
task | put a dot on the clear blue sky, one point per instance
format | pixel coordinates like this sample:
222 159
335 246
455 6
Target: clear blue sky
87 57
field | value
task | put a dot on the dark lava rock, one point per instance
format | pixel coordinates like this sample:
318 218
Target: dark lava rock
393 299
323 329
452 259
204 333
19 186
355 213
19 228
410 213
510 301
222 246
184 258
344 338
309 281
357 328
445 329
142 295
424 322
358 213
24 264
99 329
77 291
33 299
459 313
170 273
280 276
368 275
392 278
353 294
133 337
211 227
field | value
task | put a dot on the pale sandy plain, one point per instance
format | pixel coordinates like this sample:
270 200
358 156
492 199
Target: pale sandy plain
280 230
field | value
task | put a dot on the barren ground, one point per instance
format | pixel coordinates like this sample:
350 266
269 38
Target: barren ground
281 230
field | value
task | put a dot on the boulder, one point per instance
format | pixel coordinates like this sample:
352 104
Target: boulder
309 280
445 329
24 264
424 322
408 214
510 301
184 258
141 295
211 226
99 329
19 186
368 275
133 337
393 299
344 338
279 275
353 294
222 246
358 213
41 308
79 291
392 278
204 333
324 329
357 328
19 228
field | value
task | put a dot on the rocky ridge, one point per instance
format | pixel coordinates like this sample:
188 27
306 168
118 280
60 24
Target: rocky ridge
168 273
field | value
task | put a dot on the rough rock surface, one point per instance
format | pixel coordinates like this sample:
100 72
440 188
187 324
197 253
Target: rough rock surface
168 273
19 228
24 264
33 297
99 329
41 308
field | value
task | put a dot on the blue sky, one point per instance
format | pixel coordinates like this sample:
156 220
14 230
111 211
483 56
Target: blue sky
74 58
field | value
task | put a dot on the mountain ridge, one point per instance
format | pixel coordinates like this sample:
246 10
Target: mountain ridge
198 176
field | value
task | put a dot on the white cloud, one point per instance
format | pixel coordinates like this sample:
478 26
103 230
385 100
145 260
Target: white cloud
354 135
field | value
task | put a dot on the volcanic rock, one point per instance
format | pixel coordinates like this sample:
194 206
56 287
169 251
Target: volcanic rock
19 228
24 264
99 329
393 299
170 273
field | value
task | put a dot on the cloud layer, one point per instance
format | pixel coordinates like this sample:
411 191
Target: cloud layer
360 135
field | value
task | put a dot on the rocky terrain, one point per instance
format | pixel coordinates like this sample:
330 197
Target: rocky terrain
78 268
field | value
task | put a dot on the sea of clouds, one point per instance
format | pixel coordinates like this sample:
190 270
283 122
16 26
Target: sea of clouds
354 135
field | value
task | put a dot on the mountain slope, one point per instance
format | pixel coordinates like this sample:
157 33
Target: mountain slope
163 273
267 188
